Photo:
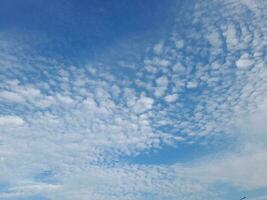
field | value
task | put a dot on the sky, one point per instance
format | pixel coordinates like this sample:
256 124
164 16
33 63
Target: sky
133 100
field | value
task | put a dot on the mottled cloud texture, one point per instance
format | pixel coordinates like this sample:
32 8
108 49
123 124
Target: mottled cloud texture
66 130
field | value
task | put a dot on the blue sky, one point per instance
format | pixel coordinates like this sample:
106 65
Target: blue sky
133 100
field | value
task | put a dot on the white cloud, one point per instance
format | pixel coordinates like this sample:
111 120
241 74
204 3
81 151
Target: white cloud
231 36
29 190
64 99
143 104
11 121
178 67
244 62
11 96
247 171
162 81
162 85
179 44
171 98
191 84
161 62
158 48
82 120
214 39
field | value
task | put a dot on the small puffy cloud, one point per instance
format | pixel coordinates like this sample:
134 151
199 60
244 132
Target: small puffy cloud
231 36
214 39
171 98
161 62
244 62
29 92
159 91
90 104
162 81
164 63
64 99
191 84
179 44
11 97
158 48
11 121
178 67
162 85
143 104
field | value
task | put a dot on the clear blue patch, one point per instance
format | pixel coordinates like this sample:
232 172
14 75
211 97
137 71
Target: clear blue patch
78 28
35 197
181 153
47 176
4 186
